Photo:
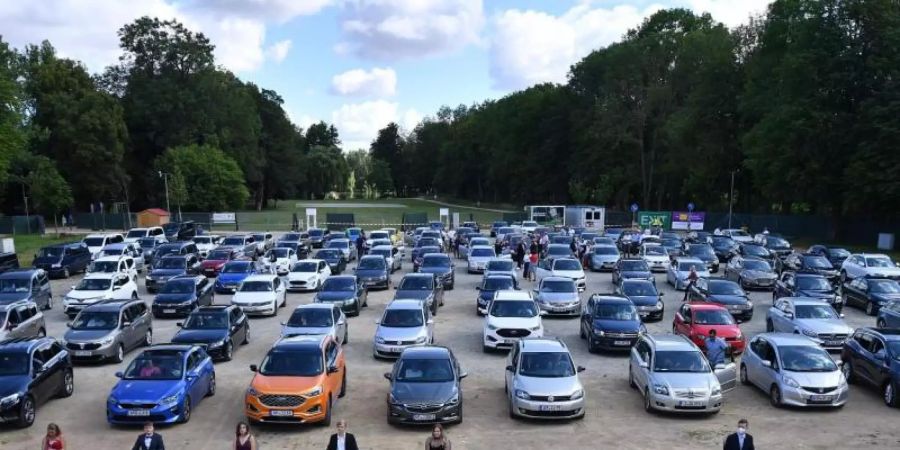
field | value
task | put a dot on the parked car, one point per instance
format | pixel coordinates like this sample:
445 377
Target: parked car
279 260
809 285
217 328
424 287
425 387
724 247
673 375
558 251
872 265
542 381
557 296
26 284
345 291
656 256
128 250
216 260
695 320
404 324
775 244
264 242
316 237
21 319
889 315
418 254
646 298
870 294
633 268
335 259
390 254
610 322
169 267
739 236
107 330
136 234
478 257
870 357
794 371
62 260
373 272
678 271
315 319
163 383
723 292
35 370
441 266
180 231
512 315
261 294
95 242
499 266
705 253
243 244
800 262
97 287
149 247
114 264
496 226
182 295
233 273
175 249
206 243
562 267
603 257
488 286
307 275
811 318
750 273
835 255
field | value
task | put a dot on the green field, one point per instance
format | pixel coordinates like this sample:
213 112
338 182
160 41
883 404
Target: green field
28 244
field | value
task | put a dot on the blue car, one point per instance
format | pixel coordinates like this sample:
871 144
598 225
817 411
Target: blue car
489 285
872 357
162 385
345 291
610 322
233 274
889 315
168 267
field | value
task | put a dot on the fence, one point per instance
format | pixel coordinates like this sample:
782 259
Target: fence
22 225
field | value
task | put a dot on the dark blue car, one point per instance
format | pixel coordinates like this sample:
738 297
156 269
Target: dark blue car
889 315
162 385
489 285
345 291
645 297
62 260
218 328
610 322
373 272
168 267
233 274
334 258
872 357
183 294
34 370
726 293
632 268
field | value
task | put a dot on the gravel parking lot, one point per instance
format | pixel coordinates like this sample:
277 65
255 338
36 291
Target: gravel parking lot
614 418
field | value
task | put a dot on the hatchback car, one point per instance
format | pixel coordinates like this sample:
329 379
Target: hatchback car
810 285
26 284
872 357
404 324
21 319
95 242
610 322
870 294
217 328
889 315
391 254
261 294
308 275
750 273
114 264
645 297
233 274
811 318
656 256
206 243
542 381
335 259
279 260
34 370
442 267
97 287
182 295
425 387
347 249
629 268
488 286
724 247
558 296
163 384
315 319
705 253
562 267
317 237
794 371
125 249
603 257
478 258
696 320
373 272
512 315
345 291
244 245
723 292
106 331
168 267
423 287
216 260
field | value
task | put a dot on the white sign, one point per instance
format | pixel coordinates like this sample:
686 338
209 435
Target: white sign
226 217
310 211
445 212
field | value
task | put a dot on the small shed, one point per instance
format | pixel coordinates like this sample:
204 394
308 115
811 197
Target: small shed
152 217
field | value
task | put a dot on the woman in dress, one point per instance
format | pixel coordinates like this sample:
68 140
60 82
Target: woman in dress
437 440
53 440
243 439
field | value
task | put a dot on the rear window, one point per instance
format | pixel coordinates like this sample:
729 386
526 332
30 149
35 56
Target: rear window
483 252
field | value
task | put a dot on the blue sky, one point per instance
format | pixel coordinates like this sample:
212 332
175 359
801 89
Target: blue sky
363 63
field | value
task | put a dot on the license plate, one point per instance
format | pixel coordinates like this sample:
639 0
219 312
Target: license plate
281 412
643 314
820 398
138 412
423 417
509 341
396 349
621 342
168 311
551 407
833 343
689 403
82 353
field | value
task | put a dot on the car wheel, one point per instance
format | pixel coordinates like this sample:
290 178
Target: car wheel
847 370
229 351
770 327
648 403
889 394
246 336
775 396
275 308
120 354
66 272
49 303
843 277
870 308
631 382
26 413
148 338
343 385
744 379
212 386
68 386
358 309
327 421
346 337
186 410
581 332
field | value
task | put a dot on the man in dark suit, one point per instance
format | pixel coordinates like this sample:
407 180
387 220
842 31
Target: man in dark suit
342 440
740 440
149 440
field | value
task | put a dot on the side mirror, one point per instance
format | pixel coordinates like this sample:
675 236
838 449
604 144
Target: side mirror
842 315
720 366
580 369
388 376
332 369
477 288
126 324
789 315
463 375
69 324
644 365
396 287
340 321
661 294
767 363
430 322
179 324
510 369
253 368
119 375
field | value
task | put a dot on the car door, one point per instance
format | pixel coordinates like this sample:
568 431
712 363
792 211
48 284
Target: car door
643 357
41 386
198 384
143 322
854 291
429 322
51 353
891 314
670 273
31 319
862 360
587 320
780 321
119 287
340 324
768 375
683 320
512 366
333 379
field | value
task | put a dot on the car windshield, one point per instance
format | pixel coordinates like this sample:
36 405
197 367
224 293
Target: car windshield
171 227
136 233
96 320
546 365
203 240
178 287
639 288
235 241
686 266
219 255
338 244
655 250
105 266
558 251
878 261
615 311
148 242
316 233
814 312
605 251
416 284
237 267
813 284
50 252
13 363
93 241
311 317
292 363
806 358
884 287
279 252
424 371
371 264
701 251
442 262
777 242
13 285
755 250
680 361
386 253
93 284
566 264
633 266
257 286
305 267
290 237
755 264
725 288
483 252
339 284
817 262
502 265
328 254
402 318
496 284
514 308
171 263
207 321
712 317
258 237
558 286
378 235
722 241
156 365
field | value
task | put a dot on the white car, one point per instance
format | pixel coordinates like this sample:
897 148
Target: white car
206 243
376 235
738 235
528 226
260 294
129 249
562 267
114 264
874 265
479 257
390 254
308 275
511 315
96 242
279 260
97 287
656 256
135 234
317 319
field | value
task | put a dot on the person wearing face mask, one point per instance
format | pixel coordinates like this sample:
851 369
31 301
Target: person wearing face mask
740 440
149 440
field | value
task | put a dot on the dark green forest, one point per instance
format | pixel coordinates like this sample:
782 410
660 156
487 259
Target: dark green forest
801 106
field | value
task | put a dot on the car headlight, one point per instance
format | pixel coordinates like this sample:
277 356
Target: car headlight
809 333
750 304
659 305
600 333
491 326
55 266
317 391
660 389
217 344
349 301
717 391
379 340
10 399
522 394
454 400
112 399
106 341
843 383
421 339
791 382
149 278
311 279
577 394
170 400
252 392
535 328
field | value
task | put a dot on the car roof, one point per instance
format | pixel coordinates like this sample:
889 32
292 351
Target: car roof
300 342
372 257
505 275
170 347
344 277
556 279
426 352
803 300
670 342
419 275
708 305
404 304
383 247
543 344
681 259
510 294
214 308
117 245
109 305
119 257
316 306
788 339
24 344
563 258
262 277
636 281
24 273
610 298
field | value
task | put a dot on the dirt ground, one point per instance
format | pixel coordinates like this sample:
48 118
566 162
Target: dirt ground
614 418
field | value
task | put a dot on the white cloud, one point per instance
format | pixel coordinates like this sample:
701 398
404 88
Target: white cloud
358 123
730 12
393 29
377 82
270 10
279 50
411 118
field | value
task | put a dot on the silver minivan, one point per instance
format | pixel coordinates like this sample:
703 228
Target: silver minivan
108 329
542 381
21 319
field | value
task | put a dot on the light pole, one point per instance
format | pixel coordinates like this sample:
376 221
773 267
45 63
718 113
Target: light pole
165 177
731 196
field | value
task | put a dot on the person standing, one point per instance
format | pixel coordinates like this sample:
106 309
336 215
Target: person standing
53 440
534 260
437 440
149 439
360 244
715 349
691 279
243 440
739 440
342 440
520 254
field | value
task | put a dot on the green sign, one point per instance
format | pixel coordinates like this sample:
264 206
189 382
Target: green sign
662 219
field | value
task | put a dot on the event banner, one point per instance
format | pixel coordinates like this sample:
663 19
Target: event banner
683 220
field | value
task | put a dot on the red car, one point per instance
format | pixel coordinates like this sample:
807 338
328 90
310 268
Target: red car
695 320
215 260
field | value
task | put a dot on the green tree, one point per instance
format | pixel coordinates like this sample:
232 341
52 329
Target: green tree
41 182
380 178
12 136
387 148
323 135
211 180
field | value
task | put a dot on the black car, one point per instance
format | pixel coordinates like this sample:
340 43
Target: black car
441 266
871 357
629 268
812 285
425 387
180 231
298 247
724 292
754 250
870 294
419 253
169 267
175 248
610 322
32 371
777 245
812 263
218 328
334 258
317 237
182 295
489 285
836 255
373 272
421 286
62 260
343 290
704 252
724 247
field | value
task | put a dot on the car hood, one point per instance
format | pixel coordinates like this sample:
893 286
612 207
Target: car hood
86 335
414 294
722 331
87 295
635 274
728 299
540 386
371 273
232 277
757 274
816 294
252 297
618 326
306 331
816 379
300 275
573 274
290 385
330 296
676 380
558 297
480 259
199 336
167 272
644 300
11 384
145 391
13 296
423 392
436 270
514 322
399 333
830 326
173 298
213 263
656 258
604 258
500 272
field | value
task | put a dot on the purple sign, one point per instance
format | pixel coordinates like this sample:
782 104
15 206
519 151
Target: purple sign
684 220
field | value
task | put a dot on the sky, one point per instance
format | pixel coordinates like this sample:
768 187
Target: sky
361 64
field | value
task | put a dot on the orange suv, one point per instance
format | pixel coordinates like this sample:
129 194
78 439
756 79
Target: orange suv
297 382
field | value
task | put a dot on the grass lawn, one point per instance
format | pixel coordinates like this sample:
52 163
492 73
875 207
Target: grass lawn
28 244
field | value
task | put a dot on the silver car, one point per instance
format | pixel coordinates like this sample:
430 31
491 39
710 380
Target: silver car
603 257
390 254
875 265
811 318
404 324
542 381
794 370
751 273
21 319
558 295
673 375
478 258
678 271
315 319
109 329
